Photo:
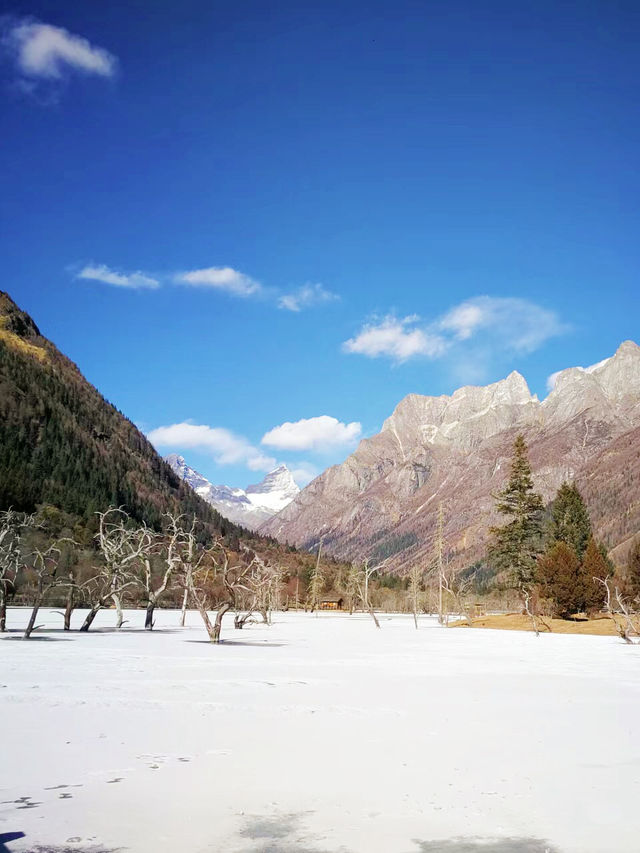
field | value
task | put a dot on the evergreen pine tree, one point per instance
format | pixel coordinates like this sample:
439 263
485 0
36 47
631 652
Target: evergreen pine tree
595 564
560 573
633 573
570 520
517 544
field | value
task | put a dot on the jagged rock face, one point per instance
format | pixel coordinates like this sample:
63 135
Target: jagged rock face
456 449
252 507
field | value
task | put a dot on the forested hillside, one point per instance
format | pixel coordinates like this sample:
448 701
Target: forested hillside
62 443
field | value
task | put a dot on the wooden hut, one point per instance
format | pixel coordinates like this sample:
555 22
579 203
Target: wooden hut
331 602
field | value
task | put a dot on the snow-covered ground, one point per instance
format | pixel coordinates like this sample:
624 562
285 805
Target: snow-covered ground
318 734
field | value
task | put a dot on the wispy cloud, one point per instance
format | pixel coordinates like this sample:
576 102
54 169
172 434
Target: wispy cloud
506 324
552 379
221 278
397 338
132 280
216 279
226 447
518 324
321 433
43 54
304 472
307 296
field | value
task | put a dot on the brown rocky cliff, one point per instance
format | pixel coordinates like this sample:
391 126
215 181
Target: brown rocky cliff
456 449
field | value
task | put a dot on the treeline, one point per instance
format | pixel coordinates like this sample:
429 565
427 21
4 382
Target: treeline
552 560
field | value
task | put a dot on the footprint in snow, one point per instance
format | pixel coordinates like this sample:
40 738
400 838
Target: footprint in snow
26 803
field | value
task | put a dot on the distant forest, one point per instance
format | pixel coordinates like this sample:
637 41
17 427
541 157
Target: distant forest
63 444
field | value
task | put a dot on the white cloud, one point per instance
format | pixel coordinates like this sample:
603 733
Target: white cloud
496 324
463 320
552 379
134 280
320 433
306 296
226 447
303 473
516 324
45 51
221 278
399 339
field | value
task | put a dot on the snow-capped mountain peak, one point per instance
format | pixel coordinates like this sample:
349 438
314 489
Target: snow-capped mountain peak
276 490
251 507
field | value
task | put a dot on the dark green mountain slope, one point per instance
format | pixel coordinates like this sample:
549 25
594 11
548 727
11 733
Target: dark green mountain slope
62 443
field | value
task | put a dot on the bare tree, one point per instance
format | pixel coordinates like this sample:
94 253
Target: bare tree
45 568
530 605
121 548
275 588
416 576
11 526
362 586
316 582
195 567
189 557
225 575
625 625
351 590
440 563
458 587
368 572
71 599
256 592
170 549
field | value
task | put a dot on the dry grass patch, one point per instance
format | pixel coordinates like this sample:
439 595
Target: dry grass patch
18 343
602 626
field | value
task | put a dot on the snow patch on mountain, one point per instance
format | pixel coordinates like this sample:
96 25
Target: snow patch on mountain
250 507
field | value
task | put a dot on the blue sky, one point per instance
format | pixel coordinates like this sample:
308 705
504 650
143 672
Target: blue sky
237 216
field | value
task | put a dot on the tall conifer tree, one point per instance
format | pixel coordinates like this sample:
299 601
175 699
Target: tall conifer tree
595 564
570 522
517 543
633 572
560 572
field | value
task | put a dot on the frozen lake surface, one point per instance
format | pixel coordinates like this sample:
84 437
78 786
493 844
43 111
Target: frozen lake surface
318 734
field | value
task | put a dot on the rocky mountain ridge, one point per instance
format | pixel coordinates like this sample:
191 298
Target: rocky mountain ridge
250 507
382 501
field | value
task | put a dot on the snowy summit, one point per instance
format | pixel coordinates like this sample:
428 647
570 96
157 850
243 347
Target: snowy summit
250 507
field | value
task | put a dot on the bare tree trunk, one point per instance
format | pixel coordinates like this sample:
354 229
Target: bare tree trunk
148 619
530 613
119 615
224 608
241 620
91 615
32 618
374 617
366 586
207 623
200 603
3 609
69 609
629 629
183 612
